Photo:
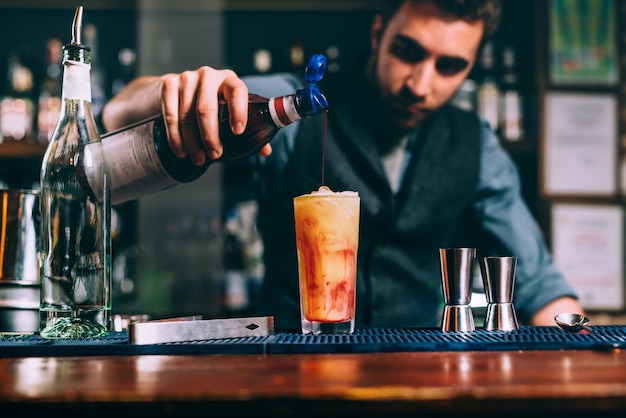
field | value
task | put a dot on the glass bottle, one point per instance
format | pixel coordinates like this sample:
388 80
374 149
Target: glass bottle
16 108
142 162
488 89
235 288
127 59
511 111
75 247
98 76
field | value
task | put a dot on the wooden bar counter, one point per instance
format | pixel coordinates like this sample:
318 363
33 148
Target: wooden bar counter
551 383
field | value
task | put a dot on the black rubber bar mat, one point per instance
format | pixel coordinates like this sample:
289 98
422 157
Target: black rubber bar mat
374 340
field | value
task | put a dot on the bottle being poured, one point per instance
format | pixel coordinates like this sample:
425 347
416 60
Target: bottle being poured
142 162
75 248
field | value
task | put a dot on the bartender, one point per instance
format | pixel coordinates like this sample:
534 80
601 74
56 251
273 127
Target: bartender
429 175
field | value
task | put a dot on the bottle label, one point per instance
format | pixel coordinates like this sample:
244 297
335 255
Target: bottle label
134 167
283 110
76 81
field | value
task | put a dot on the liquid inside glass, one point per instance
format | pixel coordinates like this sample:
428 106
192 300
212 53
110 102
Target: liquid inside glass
327 239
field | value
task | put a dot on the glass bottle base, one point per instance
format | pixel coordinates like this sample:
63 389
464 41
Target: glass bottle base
67 328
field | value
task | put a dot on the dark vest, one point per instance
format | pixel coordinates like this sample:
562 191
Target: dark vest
399 281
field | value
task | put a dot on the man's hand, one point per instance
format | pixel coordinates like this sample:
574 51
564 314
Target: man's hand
189 103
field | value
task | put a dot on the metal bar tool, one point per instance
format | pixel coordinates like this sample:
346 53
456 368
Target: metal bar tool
456 279
194 329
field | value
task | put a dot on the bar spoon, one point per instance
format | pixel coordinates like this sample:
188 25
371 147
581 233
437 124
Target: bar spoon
573 322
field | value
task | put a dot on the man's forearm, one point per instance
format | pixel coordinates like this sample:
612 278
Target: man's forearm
545 316
138 100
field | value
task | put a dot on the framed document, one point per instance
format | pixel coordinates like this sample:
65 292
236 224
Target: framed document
587 245
580 147
583 38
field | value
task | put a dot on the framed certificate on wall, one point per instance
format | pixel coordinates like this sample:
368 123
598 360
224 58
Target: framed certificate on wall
587 245
580 145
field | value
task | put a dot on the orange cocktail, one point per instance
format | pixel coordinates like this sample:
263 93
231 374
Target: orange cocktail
327 240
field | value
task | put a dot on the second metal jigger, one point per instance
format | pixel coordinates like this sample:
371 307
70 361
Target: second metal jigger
498 280
456 279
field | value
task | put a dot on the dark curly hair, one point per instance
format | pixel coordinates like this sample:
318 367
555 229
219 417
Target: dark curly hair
471 10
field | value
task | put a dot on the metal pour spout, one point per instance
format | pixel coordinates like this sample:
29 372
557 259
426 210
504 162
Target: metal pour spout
75 50
77 24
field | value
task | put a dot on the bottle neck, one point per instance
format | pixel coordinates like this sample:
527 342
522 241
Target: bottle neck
76 81
283 110
304 103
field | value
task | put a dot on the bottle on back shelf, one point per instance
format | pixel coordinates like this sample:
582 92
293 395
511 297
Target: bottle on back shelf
16 108
466 96
235 281
49 101
98 76
253 250
488 90
142 162
511 111
127 59
262 60
75 249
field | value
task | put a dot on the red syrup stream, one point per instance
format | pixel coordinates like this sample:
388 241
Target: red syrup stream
324 143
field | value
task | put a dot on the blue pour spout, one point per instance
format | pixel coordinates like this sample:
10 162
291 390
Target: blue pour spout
312 101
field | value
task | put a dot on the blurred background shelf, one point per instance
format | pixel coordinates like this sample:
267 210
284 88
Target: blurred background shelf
21 150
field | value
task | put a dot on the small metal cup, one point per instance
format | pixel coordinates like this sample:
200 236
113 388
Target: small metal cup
19 260
19 237
456 280
498 275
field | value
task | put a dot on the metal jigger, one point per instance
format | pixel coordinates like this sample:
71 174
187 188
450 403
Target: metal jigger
456 279
498 280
